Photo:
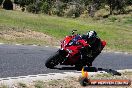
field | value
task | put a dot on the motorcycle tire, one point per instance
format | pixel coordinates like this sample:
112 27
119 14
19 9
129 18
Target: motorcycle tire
52 61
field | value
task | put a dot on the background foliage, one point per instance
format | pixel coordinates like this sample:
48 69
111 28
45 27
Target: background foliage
74 8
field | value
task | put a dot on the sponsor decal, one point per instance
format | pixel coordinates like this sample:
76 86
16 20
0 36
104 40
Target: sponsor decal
85 80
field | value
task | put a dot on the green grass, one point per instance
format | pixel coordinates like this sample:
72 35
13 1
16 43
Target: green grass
39 84
116 30
22 85
4 86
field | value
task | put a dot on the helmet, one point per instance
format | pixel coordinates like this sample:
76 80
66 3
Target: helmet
91 34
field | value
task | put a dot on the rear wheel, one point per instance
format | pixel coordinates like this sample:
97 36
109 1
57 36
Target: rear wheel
53 60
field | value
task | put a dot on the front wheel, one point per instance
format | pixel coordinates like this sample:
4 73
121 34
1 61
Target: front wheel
53 60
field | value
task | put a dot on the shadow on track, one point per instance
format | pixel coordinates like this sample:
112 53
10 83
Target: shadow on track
92 69
66 68
110 71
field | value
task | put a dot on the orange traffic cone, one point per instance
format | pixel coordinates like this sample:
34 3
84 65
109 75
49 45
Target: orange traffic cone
84 73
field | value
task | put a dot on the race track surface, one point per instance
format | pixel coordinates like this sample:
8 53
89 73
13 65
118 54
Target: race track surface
29 60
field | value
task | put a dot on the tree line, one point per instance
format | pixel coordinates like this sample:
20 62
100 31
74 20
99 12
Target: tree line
72 8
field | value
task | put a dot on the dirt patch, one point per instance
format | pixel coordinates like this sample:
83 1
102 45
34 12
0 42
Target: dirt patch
17 34
73 82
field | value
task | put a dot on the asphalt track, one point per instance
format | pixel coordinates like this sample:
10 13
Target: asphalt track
20 60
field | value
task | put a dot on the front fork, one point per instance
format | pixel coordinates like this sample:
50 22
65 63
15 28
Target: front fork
63 55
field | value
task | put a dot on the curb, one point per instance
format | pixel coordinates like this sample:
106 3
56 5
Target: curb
10 81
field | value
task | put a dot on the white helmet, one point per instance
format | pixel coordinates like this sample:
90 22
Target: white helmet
91 34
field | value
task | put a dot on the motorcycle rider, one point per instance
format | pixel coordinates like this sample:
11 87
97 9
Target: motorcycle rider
94 48
92 45
93 40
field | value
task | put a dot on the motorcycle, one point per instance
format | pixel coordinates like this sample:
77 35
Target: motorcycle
73 52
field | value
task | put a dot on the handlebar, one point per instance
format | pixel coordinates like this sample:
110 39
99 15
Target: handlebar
73 32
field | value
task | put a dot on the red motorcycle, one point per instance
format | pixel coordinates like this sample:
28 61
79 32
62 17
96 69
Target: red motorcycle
74 51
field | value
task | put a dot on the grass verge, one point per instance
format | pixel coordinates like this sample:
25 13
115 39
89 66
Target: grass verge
72 82
116 30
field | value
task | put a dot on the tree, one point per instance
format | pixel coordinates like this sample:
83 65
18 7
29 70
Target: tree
120 6
117 5
46 6
129 2
93 6
90 5
8 5
111 4
35 7
59 8
22 3
1 2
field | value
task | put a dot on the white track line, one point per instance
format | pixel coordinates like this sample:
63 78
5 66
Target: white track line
1 43
34 45
18 44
